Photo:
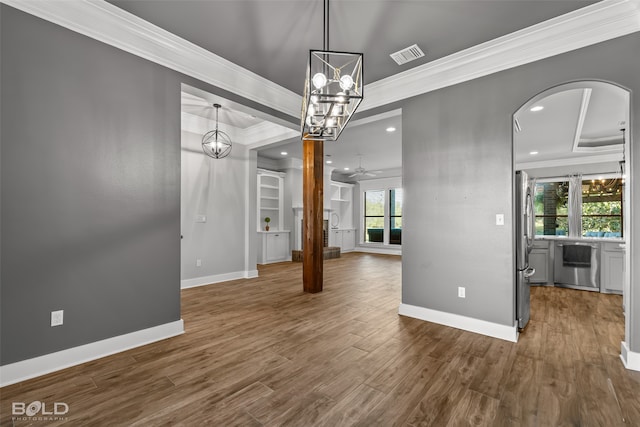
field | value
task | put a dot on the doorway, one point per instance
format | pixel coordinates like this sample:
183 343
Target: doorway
574 140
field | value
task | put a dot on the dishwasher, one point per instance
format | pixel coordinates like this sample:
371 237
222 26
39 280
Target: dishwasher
576 265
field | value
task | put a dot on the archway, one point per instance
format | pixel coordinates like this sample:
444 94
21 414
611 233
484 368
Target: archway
579 129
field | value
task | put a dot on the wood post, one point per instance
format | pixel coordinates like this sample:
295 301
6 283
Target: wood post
312 210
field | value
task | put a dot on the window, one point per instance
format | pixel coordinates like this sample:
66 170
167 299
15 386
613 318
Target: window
395 216
602 207
374 216
551 208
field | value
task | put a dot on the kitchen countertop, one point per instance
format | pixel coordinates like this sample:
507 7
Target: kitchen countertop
582 239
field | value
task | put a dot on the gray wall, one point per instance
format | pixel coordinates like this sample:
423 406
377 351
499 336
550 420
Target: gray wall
457 158
217 189
90 200
90 190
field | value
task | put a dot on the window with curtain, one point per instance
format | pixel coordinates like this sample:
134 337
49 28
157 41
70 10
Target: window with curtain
602 207
600 214
551 208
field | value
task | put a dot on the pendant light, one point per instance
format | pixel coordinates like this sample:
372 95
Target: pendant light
216 143
333 89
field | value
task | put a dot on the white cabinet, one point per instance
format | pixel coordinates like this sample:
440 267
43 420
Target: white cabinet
274 247
348 240
344 239
612 272
270 199
539 258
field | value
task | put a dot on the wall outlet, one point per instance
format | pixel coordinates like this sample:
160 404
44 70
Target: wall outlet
201 218
461 292
57 317
198 262
499 219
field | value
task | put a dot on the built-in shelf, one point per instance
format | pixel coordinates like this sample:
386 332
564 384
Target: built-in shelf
270 199
341 217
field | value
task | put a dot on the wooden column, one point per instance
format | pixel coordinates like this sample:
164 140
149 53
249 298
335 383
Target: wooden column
312 209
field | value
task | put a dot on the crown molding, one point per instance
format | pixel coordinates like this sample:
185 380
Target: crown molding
109 24
200 125
592 24
267 133
585 160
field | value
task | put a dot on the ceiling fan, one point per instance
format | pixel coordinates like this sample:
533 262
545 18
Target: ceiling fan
360 171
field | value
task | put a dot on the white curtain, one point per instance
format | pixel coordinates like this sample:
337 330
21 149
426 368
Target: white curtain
575 205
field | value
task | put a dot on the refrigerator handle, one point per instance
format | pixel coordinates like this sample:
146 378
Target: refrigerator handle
530 225
529 272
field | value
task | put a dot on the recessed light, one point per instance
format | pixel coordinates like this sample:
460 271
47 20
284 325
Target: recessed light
329 162
537 108
346 169
533 153
284 153
391 129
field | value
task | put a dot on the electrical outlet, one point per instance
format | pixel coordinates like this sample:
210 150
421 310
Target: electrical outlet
201 218
57 317
198 262
461 292
499 219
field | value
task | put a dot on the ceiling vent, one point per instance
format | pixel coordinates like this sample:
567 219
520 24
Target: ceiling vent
407 54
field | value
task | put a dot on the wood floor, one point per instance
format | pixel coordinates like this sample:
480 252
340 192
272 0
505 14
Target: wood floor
260 352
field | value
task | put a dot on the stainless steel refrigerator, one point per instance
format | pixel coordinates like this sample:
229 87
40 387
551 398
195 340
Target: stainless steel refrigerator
525 233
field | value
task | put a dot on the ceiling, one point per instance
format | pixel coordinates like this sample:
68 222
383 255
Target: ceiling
272 38
366 142
551 141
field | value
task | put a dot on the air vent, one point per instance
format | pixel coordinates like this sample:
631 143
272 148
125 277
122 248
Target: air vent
407 54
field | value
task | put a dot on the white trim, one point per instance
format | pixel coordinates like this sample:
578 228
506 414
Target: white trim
201 125
267 133
379 250
42 365
495 330
582 115
116 27
217 278
584 160
630 359
107 23
589 25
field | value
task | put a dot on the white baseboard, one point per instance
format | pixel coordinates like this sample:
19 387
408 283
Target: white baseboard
495 330
630 359
217 278
42 365
380 250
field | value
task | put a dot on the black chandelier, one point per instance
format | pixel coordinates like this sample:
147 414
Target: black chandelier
333 90
216 143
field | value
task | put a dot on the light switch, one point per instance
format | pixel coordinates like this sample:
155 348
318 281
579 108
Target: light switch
499 219
201 218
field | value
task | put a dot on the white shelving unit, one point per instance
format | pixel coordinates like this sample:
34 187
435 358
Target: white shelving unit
270 199
273 244
342 232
